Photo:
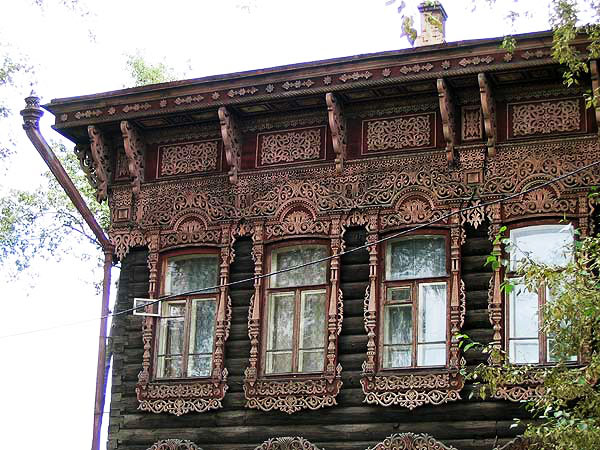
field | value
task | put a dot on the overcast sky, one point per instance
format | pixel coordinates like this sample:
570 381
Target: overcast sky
47 379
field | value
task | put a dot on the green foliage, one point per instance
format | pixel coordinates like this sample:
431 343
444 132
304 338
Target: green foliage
143 73
569 411
43 222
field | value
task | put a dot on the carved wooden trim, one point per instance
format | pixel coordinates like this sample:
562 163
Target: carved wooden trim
595 74
232 141
337 124
471 123
174 444
100 157
488 107
176 396
536 118
448 118
135 150
295 393
410 441
287 443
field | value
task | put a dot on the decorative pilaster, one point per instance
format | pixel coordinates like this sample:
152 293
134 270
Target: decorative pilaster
336 305
254 313
457 289
495 295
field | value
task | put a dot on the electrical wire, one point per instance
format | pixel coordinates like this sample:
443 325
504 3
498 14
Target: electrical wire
326 258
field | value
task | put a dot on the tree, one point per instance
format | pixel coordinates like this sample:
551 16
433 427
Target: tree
568 412
142 72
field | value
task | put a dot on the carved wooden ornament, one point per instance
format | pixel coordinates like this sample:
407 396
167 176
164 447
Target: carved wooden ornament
287 443
135 150
337 124
488 107
448 118
410 441
232 142
174 444
100 158
595 74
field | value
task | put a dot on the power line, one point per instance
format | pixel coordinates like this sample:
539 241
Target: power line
326 258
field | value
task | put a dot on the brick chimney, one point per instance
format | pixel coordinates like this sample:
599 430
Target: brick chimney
431 32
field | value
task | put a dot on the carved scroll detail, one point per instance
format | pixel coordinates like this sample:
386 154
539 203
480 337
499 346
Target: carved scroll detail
471 123
534 118
410 441
488 107
190 157
135 149
290 146
398 133
174 444
232 141
448 119
287 443
100 158
337 124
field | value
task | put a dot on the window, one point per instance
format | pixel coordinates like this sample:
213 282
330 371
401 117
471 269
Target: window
415 310
548 244
296 311
187 324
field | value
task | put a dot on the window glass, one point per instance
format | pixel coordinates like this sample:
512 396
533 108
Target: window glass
431 350
189 273
293 256
397 336
416 257
170 353
202 328
547 244
312 332
281 330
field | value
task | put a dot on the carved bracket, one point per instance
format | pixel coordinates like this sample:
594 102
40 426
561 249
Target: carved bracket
595 73
448 119
337 124
135 150
410 441
100 158
232 142
488 107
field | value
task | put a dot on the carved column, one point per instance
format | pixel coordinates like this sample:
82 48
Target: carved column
457 293
148 321
336 306
258 250
223 319
370 303
494 295
488 107
337 124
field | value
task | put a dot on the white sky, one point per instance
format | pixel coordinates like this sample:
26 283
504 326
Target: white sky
47 379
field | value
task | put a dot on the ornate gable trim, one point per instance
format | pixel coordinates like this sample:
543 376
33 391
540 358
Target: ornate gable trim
410 441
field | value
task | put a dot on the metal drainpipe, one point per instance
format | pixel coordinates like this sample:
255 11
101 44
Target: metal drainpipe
31 119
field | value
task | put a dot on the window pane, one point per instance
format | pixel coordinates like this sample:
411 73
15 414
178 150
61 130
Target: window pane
523 313
552 352
431 354
524 351
170 366
312 325
398 324
280 362
202 326
311 361
548 244
281 321
191 272
432 312
199 365
401 294
172 329
416 257
294 256
397 356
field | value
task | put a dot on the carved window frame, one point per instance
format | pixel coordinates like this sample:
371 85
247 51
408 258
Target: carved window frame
180 396
414 386
294 392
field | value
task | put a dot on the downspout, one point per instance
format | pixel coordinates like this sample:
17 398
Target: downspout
31 121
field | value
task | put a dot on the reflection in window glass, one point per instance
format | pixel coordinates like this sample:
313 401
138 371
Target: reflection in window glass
191 272
287 257
202 327
281 329
416 257
547 244
312 332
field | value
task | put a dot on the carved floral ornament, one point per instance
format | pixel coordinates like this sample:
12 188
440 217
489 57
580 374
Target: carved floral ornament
410 441
174 444
383 194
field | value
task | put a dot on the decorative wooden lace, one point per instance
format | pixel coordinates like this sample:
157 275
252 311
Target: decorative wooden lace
410 441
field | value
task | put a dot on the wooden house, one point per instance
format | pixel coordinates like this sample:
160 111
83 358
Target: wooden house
220 181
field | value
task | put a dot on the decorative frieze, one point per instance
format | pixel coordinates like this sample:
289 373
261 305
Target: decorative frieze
174 444
398 133
471 124
287 443
410 441
547 117
291 146
189 157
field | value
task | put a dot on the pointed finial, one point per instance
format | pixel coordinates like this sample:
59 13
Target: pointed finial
32 112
